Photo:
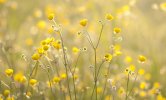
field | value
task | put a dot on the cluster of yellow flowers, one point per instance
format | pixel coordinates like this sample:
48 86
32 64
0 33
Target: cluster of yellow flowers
45 45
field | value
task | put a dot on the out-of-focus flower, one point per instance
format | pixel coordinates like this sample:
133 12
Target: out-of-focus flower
83 22
9 72
56 44
141 71
2 1
142 94
36 56
142 58
63 76
45 47
132 68
29 41
6 93
19 77
128 59
109 17
121 91
156 85
163 6
32 82
117 30
143 85
41 24
108 97
99 90
108 57
10 98
38 13
28 94
56 79
75 50
51 16
160 97
50 30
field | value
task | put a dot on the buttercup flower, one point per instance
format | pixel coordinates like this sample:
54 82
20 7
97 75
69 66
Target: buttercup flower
9 72
83 22
109 17
32 82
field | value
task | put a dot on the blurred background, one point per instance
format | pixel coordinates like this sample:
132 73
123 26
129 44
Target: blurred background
24 23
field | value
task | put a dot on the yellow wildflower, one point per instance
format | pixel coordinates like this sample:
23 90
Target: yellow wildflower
109 17
160 97
51 16
41 24
75 50
83 22
28 94
141 71
143 85
45 47
56 79
132 68
19 77
36 56
156 85
108 57
128 59
142 93
63 76
10 98
163 6
50 30
108 97
121 91
9 72
117 30
142 58
32 82
6 93
56 45
40 50
99 90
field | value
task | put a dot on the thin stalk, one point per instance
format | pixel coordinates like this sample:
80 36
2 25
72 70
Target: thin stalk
133 85
35 66
73 73
65 59
128 79
105 84
99 68
95 72
66 69
95 59
60 84
50 82
97 78
101 31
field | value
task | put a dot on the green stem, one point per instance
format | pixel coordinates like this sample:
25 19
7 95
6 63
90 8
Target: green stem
66 69
127 86
35 66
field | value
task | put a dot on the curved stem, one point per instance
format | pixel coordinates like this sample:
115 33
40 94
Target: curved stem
102 26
